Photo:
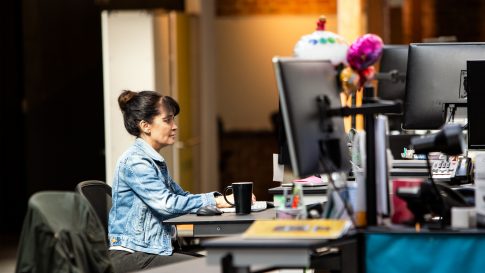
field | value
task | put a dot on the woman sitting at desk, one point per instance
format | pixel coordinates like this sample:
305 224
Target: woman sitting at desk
144 194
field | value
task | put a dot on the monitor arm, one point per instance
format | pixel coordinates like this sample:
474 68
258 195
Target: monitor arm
393 76
370 107
451 107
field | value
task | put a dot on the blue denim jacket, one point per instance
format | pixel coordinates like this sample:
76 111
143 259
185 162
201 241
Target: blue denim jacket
144 195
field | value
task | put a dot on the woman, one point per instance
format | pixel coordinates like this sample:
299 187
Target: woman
144 194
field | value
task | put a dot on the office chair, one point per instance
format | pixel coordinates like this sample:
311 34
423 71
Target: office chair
61 233
98 193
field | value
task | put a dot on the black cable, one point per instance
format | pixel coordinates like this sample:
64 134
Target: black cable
347 207
329 165
435 187
452 113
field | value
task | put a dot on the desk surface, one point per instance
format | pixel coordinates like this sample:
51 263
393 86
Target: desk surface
187 266
220 225
409 172
223 218
306 190
394 173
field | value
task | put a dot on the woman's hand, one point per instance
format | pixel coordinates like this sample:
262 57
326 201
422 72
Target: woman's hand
253 199
221 203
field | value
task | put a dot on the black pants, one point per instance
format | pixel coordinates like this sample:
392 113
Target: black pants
124 261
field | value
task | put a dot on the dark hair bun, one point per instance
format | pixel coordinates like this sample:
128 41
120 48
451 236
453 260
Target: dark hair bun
125 98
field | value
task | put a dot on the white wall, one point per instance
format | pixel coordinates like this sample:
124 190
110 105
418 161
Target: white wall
246 91
128 63
204 56
136 56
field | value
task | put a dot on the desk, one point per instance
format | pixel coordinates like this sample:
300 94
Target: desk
311 195
198 264
375 250
318 194
220 225
408 172
240 254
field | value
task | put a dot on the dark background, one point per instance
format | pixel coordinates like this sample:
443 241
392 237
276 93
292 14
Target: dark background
51 97
52 127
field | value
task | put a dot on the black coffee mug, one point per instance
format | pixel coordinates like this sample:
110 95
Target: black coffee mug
243 196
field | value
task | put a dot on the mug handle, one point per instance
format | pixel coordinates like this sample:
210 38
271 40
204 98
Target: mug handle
224 194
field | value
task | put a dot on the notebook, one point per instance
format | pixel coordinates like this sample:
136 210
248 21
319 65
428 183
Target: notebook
256 206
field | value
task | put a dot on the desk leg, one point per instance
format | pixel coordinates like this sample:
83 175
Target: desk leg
228 267
350 259
346 260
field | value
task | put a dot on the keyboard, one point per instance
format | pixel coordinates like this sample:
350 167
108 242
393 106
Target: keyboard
257 206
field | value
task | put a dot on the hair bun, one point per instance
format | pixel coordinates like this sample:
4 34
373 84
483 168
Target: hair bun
125 98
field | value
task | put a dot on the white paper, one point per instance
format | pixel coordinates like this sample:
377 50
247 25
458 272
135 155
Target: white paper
382 171
278 169
358 150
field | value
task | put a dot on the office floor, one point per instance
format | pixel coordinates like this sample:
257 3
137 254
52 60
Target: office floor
8 252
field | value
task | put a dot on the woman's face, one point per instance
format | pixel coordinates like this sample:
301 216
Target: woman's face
162 131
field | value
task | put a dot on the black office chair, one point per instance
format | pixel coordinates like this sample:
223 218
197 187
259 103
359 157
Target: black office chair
61 233
98 193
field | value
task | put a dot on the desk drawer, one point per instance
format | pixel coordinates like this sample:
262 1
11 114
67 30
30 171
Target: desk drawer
211 230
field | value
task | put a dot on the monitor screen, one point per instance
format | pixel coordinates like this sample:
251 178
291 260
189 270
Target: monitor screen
436 74
392 78
316 145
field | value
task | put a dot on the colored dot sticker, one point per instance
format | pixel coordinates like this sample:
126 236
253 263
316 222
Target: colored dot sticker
323 40
331 40
313 41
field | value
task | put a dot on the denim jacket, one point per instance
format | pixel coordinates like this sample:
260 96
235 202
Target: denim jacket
144 196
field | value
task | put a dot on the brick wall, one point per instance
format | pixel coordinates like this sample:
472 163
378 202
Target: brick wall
257 7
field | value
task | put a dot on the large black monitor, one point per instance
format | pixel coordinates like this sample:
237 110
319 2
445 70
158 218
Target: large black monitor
392 78
392 72
436 75
316 145
475 106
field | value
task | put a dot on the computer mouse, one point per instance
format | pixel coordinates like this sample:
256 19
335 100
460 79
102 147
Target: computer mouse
208 211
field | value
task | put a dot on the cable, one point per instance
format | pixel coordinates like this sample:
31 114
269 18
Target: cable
452 110
428 164
347 206
329 165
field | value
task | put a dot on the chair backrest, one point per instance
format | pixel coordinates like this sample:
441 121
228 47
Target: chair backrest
98 194
62 233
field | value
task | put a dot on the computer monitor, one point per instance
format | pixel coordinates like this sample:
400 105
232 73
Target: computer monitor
475 104
284 154
436 75
316 144
391 78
